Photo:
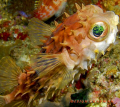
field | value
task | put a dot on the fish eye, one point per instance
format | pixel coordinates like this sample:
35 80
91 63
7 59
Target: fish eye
99 31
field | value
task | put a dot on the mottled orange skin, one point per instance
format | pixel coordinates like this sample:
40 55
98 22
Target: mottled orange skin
48 8
62 34
73 38
65 37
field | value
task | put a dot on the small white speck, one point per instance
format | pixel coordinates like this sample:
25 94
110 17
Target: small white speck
15 35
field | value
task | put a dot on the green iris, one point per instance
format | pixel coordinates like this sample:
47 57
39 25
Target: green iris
98 30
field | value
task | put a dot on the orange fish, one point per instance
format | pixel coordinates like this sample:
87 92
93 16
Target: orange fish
73 44
46 8
70 47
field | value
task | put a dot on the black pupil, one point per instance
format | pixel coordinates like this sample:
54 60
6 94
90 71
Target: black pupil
98 30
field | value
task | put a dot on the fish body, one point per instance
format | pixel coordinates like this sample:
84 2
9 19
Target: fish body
70 47
46 8
81 36
73 45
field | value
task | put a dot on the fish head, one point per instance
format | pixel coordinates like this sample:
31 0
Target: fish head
103 29
100 31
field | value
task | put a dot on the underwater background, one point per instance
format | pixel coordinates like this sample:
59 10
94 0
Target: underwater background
103 76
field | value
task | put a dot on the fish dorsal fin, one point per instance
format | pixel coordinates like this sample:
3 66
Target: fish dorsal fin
9 73
37 29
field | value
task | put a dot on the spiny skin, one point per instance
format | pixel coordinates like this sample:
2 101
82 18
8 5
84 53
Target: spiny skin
72 45
48 8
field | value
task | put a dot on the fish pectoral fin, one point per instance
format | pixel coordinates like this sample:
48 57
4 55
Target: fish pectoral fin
65 77
52 72
37 29
45 63
59 80
9 73
50 66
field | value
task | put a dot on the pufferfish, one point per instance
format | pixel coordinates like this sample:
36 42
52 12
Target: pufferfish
44 9
70 47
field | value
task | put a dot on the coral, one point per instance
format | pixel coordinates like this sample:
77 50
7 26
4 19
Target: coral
13 6
97 105
71 8
112 5
104 77
9 30
21 52
14 39
116 101
11 34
